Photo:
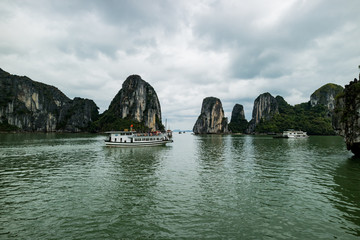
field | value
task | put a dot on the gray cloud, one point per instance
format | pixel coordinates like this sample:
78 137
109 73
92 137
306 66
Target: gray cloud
267 49
187 50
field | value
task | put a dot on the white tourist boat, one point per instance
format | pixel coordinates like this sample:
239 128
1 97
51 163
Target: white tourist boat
134 139
294 134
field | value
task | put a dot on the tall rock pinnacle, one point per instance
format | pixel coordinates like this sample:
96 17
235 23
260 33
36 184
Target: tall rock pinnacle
138 101
212 118
265 107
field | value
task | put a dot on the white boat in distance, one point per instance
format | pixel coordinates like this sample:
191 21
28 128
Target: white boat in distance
134 139
294 134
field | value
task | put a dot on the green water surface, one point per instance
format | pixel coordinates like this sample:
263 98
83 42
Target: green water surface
70 186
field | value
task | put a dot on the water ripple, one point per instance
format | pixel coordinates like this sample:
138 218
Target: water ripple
234 187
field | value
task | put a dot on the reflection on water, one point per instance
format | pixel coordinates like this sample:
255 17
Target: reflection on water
70 186
133 176
210 150
264 177
346 195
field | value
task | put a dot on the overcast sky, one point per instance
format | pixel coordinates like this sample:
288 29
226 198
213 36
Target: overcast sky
187 50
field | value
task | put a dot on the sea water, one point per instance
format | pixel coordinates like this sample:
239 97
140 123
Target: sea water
70 186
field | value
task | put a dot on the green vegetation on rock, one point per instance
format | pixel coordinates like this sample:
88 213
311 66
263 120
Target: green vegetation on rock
238 123
239 126
313 120
5 127
322 91
109 121
314 116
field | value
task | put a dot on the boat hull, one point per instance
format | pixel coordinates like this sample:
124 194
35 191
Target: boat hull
299 137
137 144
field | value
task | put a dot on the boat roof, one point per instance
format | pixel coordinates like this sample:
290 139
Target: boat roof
115 132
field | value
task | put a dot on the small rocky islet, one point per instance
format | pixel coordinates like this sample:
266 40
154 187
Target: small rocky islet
27 105
135 104
212 118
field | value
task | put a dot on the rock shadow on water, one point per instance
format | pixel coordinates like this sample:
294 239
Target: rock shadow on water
135 180
210 150
238 143
346 197
128 160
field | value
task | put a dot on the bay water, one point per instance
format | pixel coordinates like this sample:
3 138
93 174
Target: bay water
70 186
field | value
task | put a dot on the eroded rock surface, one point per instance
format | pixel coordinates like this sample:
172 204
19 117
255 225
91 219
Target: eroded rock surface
212 119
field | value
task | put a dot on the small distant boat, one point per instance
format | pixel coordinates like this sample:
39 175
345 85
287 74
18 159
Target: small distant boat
169 133
134 139
292 134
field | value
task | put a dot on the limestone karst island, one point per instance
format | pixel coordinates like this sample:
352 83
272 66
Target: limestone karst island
330 110
30 106
27 105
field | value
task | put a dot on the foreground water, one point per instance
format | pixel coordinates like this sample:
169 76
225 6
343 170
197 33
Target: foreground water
69 186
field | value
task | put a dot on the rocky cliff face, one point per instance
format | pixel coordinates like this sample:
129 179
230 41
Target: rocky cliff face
346 118
34 106
238 123
212 118
337 117
237 113
78 115
265 107
137 101
326 96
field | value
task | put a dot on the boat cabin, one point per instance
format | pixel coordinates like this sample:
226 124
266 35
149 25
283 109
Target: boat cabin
294 134
132 137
